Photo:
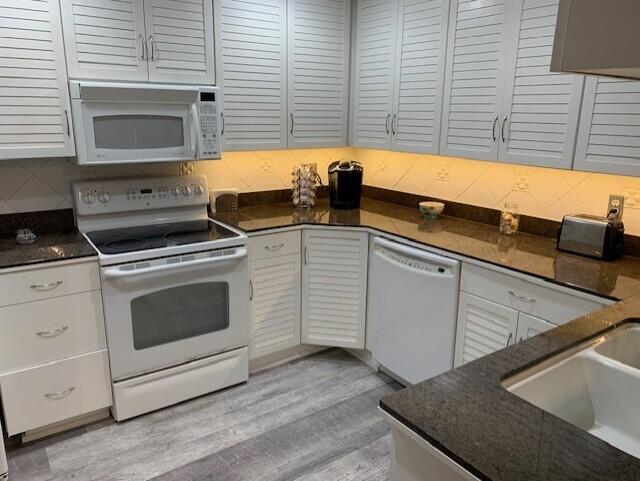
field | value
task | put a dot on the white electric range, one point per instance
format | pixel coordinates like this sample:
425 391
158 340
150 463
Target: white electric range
175 288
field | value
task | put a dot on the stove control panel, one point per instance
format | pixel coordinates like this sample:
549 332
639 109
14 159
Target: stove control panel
112 196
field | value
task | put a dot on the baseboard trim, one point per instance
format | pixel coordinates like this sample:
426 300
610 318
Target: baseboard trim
66 425
281 357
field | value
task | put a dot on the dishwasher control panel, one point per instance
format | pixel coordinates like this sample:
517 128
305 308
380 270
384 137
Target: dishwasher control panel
412 262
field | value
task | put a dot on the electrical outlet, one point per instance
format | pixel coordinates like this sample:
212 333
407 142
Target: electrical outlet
266 166
187 168
616 202
632 199
523 183
383 165
443 173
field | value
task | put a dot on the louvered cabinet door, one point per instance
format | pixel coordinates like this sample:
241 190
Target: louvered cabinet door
483 327
419 75
529 326
105 39
180 41
252 58
609 132
474 79
540 114
275 305
374 66
318 73
34 97
334 288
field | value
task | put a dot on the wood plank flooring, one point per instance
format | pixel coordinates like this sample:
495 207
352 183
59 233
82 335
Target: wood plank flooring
314 419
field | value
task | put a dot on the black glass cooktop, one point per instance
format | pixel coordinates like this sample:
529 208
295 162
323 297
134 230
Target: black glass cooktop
131 239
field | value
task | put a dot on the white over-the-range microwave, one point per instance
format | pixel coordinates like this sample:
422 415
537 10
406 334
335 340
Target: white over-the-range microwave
122 123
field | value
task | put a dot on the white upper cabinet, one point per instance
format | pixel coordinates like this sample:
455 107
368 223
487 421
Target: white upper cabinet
34 103
372 105
539 118
609 135
252 59
420 54
474 79
318 75
180 36
140 40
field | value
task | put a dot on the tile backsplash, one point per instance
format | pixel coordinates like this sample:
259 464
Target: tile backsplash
43 184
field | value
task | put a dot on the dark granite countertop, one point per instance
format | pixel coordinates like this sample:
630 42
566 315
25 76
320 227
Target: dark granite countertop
466 413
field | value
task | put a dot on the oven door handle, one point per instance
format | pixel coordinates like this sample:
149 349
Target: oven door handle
116 273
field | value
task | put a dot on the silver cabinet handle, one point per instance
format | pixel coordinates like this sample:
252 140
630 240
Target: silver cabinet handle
274 248
46 287
522 298
493 129
250 290
504 121
386 124
60 394
153 47
66 116
393 124
53 333
222 121
292 123
306 258
143 47
509 339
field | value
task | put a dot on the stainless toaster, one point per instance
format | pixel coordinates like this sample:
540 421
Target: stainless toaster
592 236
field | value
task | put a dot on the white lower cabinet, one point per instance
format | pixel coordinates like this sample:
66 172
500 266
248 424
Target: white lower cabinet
334 287
529 326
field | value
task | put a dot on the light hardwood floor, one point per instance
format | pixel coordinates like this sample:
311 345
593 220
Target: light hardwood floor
313 419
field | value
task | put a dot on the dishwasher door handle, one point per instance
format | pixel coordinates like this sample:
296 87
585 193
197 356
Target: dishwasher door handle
415 253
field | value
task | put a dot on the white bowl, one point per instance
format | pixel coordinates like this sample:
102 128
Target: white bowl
431 209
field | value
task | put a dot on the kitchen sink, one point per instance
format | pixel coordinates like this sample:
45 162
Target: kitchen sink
595 387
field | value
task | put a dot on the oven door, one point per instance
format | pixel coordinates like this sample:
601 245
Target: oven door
168 311
118 132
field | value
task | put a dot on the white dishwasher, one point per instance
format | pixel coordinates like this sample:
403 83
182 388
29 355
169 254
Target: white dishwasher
411 310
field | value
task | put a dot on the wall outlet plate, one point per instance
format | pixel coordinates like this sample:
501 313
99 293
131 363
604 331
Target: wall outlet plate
443 173
187 168
523 183
266 166
632 198
616 202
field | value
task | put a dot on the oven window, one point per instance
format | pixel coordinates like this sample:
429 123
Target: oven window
179 313
132 132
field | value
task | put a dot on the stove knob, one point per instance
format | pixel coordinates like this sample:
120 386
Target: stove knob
175 191
186 190
104 197
199 189
88 197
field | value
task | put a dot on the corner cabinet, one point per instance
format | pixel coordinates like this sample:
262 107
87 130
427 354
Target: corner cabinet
34 106
334 287
144 40
398 81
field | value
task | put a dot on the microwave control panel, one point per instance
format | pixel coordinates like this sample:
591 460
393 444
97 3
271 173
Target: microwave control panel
209 140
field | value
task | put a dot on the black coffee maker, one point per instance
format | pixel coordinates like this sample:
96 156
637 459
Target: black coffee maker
345 184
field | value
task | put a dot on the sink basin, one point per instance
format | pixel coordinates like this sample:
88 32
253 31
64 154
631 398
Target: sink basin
595 387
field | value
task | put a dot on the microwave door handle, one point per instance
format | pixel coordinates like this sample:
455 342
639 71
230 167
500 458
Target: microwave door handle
116 273
195 132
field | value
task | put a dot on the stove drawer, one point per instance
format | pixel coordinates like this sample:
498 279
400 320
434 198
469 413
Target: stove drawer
44 331
45 282
267 246
55 392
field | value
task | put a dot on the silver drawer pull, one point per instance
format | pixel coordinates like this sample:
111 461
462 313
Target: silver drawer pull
60 394
46 287
274 248
53 333
522 298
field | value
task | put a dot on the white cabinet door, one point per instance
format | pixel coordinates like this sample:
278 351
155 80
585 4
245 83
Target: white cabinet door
483 327
529 326
105 39
334 287
609 133
318 78
34 100
180 41
275 304
252 58
419 77
539 119
474 79
376 29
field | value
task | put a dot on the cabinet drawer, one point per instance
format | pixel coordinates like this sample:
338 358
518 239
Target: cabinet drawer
62 390
45 282
272 245
544 302
50 330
